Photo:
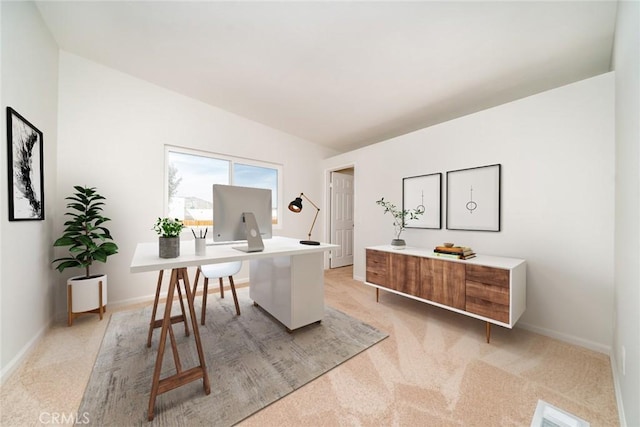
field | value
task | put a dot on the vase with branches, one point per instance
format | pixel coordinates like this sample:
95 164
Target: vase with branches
400 218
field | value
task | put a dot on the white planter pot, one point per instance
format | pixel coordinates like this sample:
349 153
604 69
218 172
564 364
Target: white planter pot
86 296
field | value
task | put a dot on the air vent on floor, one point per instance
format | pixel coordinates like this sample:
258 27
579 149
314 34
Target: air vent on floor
547 415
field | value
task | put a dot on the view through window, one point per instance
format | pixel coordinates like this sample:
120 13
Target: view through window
190 176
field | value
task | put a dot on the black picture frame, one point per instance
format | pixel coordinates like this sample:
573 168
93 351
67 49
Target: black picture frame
473 198
25 157
423 192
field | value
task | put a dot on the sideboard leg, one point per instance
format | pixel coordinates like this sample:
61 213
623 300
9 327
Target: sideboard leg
377 294
488 332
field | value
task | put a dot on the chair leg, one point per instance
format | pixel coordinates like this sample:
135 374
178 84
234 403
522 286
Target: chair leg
205 291
221 287
235 297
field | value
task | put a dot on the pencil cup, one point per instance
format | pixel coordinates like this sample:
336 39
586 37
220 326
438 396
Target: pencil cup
201 246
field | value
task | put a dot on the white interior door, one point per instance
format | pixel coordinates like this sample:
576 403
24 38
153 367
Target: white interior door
342 218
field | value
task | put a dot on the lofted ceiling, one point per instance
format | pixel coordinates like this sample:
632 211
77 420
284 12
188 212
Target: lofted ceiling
343 74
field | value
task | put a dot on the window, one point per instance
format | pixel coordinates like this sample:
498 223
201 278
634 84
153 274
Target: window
190 175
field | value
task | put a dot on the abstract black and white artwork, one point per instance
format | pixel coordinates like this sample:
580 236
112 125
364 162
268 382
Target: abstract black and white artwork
25 168
473 199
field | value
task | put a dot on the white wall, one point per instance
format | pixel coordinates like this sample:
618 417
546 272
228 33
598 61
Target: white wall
112 132
557 154
627 234
29 85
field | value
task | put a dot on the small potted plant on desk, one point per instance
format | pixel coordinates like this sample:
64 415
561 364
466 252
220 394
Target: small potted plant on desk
88 240
400 218
169 231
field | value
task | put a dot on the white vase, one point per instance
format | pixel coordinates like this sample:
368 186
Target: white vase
84 296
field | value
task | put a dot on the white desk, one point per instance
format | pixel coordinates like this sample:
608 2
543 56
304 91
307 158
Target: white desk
286 279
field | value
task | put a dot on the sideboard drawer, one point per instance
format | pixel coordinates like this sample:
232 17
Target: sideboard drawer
488 300
488 275
377 267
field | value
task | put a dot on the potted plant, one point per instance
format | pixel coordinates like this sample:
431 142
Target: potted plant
169 231
400 218
88 241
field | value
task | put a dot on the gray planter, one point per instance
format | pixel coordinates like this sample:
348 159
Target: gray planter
169 247
398 243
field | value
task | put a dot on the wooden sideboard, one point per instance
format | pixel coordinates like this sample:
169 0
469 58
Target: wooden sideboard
488 288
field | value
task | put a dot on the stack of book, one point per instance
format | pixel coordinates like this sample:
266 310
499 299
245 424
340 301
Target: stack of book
455 252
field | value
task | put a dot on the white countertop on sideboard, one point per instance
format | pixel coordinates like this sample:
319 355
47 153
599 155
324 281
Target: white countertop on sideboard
479 259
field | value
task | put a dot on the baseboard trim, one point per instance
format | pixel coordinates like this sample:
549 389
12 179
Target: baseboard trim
14 363
600 348
118 304
618 391
150 298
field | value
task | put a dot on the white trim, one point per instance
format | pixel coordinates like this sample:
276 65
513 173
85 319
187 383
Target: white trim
617 390
327 208
21 356
232 160
571 339
149 298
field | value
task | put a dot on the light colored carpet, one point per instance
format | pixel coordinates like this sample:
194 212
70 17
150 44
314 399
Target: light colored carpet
434 369
251 359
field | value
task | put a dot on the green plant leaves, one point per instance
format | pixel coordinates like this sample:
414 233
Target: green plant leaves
400 216
168 227
88 240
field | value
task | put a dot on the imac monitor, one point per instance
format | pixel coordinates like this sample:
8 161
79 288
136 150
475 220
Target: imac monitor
231 203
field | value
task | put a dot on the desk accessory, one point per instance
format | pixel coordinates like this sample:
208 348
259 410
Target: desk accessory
296 207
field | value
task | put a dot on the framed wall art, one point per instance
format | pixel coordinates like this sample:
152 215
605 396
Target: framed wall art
25 169
473 199
424 194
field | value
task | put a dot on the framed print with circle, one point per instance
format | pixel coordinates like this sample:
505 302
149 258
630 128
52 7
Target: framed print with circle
25 169
473 199
423 193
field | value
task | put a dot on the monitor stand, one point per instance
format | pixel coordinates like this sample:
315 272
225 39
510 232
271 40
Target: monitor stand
254 239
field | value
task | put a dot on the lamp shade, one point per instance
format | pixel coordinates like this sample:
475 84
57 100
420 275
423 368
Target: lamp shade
296 205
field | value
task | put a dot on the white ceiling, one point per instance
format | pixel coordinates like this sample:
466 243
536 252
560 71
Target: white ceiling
343 74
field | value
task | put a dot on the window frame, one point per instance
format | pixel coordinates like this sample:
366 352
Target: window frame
232 161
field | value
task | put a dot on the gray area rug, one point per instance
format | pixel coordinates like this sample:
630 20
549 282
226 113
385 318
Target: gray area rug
251 360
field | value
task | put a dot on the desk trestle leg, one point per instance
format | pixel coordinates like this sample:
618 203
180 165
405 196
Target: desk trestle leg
156 323
181 377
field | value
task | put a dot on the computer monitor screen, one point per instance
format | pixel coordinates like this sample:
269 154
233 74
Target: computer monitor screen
230 202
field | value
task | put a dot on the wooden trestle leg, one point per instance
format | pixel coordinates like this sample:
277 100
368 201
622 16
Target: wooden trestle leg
158 385
156 323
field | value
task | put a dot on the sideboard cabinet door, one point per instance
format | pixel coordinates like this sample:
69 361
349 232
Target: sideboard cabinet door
404 273
443 282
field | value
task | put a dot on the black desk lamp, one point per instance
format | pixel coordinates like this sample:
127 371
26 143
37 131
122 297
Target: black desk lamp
296 207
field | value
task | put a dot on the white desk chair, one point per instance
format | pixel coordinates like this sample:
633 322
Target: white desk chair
217 271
